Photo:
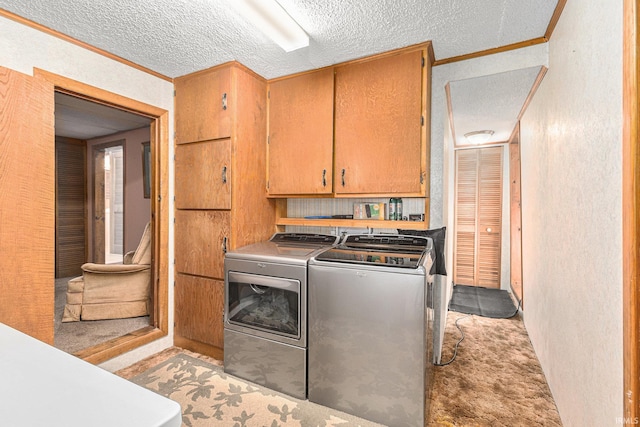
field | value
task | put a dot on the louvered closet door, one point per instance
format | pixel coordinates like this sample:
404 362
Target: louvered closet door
478 217
70 238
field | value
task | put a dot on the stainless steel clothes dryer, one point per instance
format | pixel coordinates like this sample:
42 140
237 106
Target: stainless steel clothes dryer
265 317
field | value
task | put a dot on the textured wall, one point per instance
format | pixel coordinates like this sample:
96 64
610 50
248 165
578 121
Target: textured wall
572 227
23 48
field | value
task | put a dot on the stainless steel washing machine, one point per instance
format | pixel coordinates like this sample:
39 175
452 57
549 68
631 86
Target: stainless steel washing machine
265 318
370 328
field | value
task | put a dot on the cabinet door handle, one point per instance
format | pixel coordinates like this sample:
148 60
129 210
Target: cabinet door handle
224 101
224 245
324 177
343 172
224 175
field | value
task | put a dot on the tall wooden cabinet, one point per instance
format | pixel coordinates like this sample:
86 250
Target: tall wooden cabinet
220 165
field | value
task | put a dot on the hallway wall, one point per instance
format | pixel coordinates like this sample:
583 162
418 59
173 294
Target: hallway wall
571 215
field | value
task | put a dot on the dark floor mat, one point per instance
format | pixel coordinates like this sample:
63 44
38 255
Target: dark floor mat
485 302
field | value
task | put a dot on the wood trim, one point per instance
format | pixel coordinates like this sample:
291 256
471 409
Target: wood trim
515 235
486 52
117 346
425 131
160 214
159 211
198 347
69 39
526 43
554 19
447 91
630 211
431 54
97 95
356 223
527 101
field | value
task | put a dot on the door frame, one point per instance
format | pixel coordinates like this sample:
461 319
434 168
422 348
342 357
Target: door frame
159 135
631 210
97 251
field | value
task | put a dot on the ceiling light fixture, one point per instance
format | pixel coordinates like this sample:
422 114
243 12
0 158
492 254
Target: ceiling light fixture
274 22
478 136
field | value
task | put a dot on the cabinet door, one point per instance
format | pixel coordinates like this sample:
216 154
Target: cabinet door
200 242
378 112
199 304
201 106
301 134
203 175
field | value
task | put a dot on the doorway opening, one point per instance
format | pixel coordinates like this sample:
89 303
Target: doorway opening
158 211
101 136
114 204
108 202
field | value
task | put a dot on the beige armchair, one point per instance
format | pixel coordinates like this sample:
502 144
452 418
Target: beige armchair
112 291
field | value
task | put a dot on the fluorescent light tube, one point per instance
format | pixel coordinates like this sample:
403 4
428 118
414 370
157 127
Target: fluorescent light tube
270 18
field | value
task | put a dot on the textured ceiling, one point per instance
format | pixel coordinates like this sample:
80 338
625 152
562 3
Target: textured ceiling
490 102
177 37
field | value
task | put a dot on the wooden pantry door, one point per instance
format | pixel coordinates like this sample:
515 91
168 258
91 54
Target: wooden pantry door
478 217
27 167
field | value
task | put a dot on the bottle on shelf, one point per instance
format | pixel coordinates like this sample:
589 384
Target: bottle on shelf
399 209
392 209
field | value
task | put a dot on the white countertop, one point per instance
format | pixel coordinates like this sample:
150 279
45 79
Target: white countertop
43 386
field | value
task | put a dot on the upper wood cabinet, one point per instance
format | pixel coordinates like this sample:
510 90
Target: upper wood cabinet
378 114
356 129
301 134
202 110
203 175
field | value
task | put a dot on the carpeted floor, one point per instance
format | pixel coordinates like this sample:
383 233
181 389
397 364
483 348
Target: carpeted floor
495 380
75 336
